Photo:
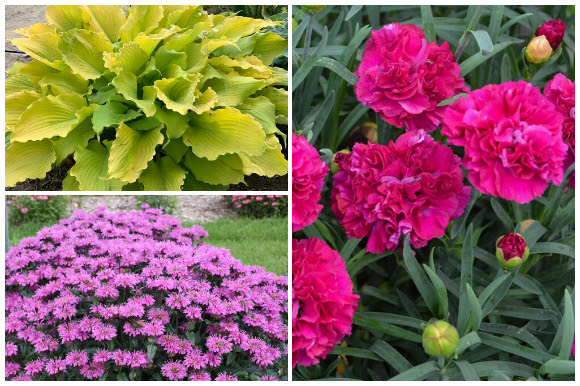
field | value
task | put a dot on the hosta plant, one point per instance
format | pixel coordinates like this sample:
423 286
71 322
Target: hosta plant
134 296
149 97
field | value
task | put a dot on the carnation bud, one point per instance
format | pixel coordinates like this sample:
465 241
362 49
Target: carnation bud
313 8
538 50
333 164
553 30
511 250
440 339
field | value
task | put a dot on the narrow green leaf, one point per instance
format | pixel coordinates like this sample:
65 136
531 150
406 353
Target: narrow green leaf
558 367
428 23
474 307
507 345
525 283
459 223
475 60
356 264
506 69
495 21
348 248
467 370
353 11
466 278
440 291
483 41
337 68
363 321
321 118
467 341
417 373
391 356
355 352
526 313
498 376
534 232
448 101
351 120
550 247
502 215
562 343
521 334
518 19
494 292
388 318
419 278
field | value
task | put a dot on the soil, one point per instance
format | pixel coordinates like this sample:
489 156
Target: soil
190 208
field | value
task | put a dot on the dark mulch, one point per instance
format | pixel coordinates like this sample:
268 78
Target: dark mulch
53 181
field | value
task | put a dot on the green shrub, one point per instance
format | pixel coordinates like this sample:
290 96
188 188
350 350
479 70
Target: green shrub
39 209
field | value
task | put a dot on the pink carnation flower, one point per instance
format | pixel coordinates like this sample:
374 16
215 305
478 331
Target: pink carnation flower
561 91
413 186
403 77
308 173
512 137
323 304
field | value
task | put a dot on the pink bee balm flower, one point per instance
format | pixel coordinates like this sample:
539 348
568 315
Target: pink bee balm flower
55 366
76 358
10 349
174 370
512 137
308 173
402 77
561 92
323 304
413 186
92 371
225 377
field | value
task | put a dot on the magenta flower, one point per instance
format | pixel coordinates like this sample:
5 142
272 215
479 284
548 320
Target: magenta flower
553 30
174 370
308 173
77 358
323 304
92 371
218 344
55 366
412 186
225 377
10 349
200 376
512 137
103 332
561 91
402 77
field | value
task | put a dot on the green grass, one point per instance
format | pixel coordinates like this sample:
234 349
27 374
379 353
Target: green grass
262 242
27 229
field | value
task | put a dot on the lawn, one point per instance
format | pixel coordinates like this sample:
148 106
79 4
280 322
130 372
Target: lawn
261 242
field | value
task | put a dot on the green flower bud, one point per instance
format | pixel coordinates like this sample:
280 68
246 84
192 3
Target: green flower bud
511 250
440 339
538 50
334 165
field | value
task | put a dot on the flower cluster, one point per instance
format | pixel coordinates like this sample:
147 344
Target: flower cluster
117 294
308 172
403 77
512 137
323 304
412 186
259 206
561 91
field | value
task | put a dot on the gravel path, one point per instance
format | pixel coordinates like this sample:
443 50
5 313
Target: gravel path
190 208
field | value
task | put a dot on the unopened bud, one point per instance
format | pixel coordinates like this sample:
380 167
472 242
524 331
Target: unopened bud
538 50
313 8
511 250
440 339
333 164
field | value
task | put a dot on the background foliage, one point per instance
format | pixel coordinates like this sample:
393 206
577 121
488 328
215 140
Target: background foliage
513 325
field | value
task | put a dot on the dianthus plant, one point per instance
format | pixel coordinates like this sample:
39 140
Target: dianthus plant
149 97
134 296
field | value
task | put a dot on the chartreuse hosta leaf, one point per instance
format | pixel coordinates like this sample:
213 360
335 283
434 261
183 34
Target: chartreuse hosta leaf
163 174
146 97
50 116
131 151
91 168
32 159
222 132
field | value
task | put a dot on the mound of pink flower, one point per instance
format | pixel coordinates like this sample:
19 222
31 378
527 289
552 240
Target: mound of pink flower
136 296
403 77
561 91
412 186
308 173
512 137
323 304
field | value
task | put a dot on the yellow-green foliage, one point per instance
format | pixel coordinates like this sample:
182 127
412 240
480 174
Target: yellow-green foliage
149 97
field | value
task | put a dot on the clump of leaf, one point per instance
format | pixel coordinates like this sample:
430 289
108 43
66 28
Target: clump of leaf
149 97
